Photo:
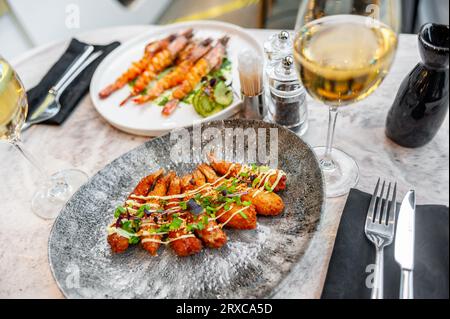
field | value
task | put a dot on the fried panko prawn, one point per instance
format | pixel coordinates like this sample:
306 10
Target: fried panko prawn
232 169
266 203
211 233
238 217
182 242
151 242
118 243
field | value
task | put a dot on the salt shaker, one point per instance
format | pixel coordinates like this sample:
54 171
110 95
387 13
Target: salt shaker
287 105
277 47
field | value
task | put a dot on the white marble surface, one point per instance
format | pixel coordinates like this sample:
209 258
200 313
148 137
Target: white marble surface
86 141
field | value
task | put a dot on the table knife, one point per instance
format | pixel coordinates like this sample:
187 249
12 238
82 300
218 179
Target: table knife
404 244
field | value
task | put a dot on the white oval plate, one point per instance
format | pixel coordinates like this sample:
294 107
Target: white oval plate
147 119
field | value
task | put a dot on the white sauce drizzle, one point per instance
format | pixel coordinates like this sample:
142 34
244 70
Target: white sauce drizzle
234 214
167 242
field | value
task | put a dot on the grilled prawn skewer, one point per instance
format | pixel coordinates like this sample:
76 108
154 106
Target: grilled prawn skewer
159 63
137 67
202 68
176 76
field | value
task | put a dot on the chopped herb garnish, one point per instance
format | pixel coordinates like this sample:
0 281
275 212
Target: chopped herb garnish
134 240
221 188
254 167
175 224
247 203
127 225
256 182
119 211
164 228
237 200
163 101
183 205
268 187
244 174
210 209
227 207
243 215
142 211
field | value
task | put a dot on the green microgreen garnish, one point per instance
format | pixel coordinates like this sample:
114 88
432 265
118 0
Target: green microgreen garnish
268 187
163 101
243 215
134 240
256 182
244 174
119 211
175 224
183 205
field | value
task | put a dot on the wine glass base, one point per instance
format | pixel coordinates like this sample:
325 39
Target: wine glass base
54 193
341 175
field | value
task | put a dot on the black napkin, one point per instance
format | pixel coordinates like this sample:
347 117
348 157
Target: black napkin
79 87
346 278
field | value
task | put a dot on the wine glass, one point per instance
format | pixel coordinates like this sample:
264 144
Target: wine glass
343 50
53 191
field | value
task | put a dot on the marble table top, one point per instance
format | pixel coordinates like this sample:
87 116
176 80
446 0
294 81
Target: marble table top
86 141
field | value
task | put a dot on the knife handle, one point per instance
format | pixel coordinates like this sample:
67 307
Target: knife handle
406 285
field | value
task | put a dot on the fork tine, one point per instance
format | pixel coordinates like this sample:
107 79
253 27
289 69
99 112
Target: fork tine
377 217
371 211
384 217
393 209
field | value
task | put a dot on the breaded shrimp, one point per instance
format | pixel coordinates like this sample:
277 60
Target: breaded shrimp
266 203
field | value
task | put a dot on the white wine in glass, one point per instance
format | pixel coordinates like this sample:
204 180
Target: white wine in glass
53 191
343 51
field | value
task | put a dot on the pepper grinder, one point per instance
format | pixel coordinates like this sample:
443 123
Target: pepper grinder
287 105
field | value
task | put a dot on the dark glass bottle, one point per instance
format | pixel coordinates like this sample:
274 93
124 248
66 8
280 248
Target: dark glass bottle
421 104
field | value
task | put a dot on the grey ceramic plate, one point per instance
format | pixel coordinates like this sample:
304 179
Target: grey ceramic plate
252 265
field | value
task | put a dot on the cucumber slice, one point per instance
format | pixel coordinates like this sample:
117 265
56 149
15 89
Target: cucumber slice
204 105
223 95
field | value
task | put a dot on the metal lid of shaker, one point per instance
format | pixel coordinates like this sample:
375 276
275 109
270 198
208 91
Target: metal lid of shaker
285 69
278 46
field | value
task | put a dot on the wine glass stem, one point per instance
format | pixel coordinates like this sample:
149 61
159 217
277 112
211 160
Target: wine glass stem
57 187
31 159
327 162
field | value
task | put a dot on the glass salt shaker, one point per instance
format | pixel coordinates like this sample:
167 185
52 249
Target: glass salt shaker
287 105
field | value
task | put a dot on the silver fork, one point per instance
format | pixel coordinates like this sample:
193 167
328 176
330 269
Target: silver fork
380 229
